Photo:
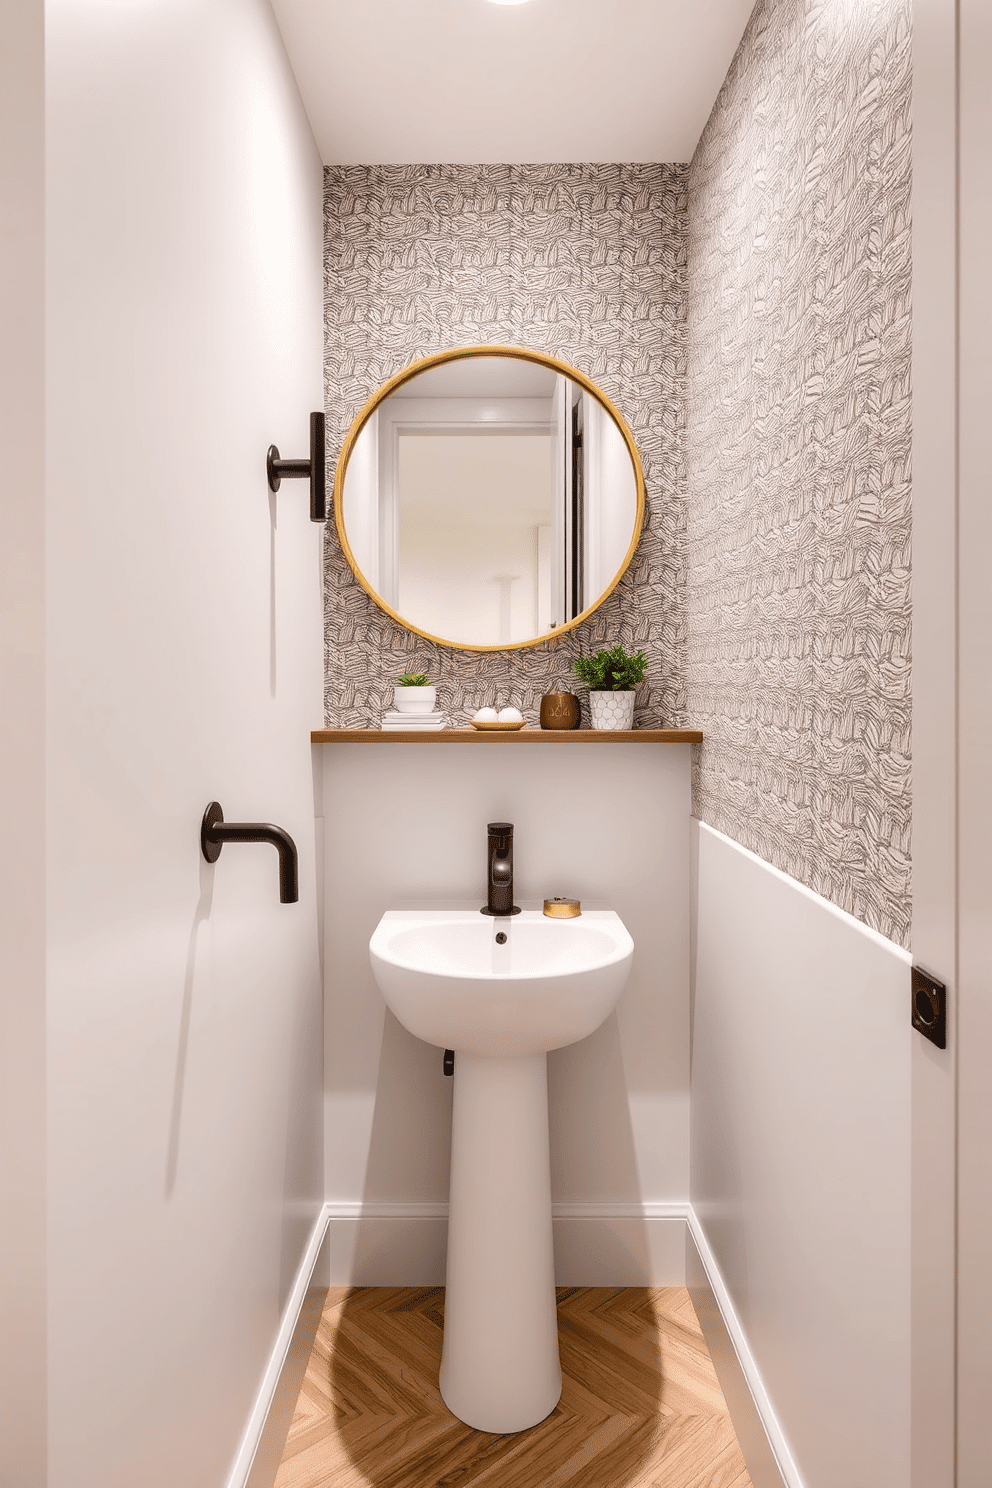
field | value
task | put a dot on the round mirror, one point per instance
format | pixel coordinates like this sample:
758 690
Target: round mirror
489 498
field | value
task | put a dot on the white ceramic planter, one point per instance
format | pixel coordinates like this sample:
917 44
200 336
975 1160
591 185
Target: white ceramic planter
414 699
612 710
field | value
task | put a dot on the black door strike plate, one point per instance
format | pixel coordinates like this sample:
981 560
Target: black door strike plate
929 1007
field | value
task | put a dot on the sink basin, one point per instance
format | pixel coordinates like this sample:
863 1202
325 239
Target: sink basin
551 983
501 993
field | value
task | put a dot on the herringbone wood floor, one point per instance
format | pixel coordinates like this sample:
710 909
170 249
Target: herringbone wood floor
640 1406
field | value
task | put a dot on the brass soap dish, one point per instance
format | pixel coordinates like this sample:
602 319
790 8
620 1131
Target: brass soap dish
505 727
562 909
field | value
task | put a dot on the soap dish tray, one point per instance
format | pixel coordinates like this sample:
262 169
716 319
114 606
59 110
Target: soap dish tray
504 727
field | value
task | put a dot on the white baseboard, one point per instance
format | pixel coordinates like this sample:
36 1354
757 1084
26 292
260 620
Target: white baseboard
293 1340
387 1244
355 1244
770 1463
595 1244
619 1244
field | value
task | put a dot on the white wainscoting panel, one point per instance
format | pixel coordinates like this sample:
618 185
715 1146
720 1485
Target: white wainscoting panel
405 827
801 1158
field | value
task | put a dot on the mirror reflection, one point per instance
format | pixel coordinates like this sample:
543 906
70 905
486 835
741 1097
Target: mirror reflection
490 500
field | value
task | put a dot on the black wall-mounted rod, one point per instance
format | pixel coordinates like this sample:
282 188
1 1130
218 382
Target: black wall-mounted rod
278 469
215 831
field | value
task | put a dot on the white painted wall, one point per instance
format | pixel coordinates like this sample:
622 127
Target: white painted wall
801 1103
935 729
406 826
974 719
184 663
22 746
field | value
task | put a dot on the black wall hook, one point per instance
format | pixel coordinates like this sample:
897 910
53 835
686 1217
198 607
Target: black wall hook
313 469
215 831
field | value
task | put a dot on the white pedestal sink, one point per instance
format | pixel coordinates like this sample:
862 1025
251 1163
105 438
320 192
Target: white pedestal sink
501 1005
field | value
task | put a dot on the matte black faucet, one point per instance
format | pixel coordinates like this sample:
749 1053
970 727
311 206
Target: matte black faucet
499 877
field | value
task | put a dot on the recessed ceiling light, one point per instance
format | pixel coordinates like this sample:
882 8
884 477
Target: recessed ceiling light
508 2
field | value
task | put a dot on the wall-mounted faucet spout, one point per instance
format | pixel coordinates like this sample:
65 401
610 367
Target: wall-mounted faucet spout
215 831
499 877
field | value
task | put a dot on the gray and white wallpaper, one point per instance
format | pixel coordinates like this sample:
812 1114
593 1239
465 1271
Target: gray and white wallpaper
798 452
750 315
584 261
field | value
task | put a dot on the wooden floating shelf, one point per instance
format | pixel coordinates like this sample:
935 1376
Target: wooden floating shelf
527 735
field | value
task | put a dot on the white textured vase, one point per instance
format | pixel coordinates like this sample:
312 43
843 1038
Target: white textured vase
612 710
414 699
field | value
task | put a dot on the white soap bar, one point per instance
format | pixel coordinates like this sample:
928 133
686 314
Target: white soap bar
510 715
485 715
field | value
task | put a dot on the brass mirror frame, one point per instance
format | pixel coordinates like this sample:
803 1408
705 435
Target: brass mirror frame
461 354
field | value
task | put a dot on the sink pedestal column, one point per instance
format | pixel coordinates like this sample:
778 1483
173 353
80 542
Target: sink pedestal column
499 1367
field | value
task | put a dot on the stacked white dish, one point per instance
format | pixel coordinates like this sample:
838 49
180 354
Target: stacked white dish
397 720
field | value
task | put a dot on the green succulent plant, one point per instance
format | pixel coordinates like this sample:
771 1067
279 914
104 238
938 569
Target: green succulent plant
415 679
612 669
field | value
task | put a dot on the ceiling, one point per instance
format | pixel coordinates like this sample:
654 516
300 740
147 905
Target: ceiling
471 82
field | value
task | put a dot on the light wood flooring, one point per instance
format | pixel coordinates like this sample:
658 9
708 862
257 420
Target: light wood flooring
640 1404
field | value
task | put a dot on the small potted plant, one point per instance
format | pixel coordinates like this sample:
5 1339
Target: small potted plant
414 693
611 676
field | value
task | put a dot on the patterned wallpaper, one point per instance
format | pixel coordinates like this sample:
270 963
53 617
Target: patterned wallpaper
584 261
798 452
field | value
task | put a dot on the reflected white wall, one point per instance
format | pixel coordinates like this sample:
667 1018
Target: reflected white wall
468 511
610 498
361 501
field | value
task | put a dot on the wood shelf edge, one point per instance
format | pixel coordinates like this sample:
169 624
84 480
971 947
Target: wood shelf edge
528 735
